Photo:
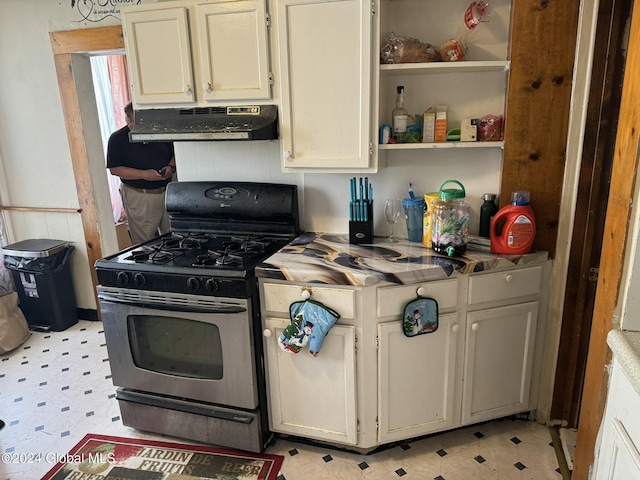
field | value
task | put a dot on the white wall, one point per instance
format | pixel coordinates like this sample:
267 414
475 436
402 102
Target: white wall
628 308
325 196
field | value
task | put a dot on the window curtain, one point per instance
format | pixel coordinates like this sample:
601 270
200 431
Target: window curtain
111 85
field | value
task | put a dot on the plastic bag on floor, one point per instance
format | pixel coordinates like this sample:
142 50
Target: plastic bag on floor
6 280
14 330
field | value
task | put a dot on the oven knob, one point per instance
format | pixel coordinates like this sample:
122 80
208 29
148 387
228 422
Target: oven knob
211 285
122 278
139 279
193 283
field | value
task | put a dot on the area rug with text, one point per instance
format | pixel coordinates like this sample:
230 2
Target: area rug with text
98 457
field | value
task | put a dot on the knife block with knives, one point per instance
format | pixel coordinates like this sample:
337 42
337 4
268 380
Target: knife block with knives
361 212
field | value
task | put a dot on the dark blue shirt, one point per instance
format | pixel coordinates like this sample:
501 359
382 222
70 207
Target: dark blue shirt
142 155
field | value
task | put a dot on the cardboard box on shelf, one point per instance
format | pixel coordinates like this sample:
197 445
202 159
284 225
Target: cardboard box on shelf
428 126
441 124
469 129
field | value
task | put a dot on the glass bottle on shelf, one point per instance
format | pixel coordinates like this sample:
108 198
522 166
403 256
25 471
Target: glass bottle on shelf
400 117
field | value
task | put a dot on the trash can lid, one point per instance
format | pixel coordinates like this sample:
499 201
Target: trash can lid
35 248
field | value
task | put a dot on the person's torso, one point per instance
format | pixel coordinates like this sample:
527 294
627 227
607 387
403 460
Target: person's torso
144 156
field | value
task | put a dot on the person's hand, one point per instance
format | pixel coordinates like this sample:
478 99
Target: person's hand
152 175
166 171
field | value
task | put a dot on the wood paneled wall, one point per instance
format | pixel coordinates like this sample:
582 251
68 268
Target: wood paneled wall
537 117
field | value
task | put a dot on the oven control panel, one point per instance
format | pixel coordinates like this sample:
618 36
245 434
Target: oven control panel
178 283
228 193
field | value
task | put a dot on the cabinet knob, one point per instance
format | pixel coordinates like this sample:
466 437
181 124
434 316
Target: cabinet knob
475 326
305 294
508 278
288 156
455 328
420 291
266 332
206 86
187 89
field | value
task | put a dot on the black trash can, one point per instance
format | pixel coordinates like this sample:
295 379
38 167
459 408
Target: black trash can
42 274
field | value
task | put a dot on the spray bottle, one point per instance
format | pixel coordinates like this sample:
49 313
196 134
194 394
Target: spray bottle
513 228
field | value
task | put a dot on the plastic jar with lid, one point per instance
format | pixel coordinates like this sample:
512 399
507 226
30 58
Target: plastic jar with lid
450 232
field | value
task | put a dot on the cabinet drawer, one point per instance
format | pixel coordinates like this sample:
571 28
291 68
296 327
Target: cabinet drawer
504 285
392 300
278 297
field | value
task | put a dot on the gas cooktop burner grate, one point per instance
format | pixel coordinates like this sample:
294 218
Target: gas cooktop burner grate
151 255
218 259
249 244
178 249
228 260
177 241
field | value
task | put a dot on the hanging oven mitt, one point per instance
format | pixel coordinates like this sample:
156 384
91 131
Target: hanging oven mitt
420 316
310 322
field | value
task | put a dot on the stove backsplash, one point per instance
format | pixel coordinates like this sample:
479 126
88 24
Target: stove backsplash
324 197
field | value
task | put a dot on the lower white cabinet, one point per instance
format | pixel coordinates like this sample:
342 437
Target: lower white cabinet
309 396
618 455
417 379
371 384
498 361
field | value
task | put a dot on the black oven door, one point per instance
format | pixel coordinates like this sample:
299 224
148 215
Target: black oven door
186 346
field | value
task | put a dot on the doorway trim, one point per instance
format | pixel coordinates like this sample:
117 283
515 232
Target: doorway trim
621 199
64 45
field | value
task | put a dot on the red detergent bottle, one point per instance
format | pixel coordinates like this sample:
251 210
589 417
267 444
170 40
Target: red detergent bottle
513 228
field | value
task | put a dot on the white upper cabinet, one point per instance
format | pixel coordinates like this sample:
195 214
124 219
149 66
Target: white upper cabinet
233 50
324 57
159 55
188 54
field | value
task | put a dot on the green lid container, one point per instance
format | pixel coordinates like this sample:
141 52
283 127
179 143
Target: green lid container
451 193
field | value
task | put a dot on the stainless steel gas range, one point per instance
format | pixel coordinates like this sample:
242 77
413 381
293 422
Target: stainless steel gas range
181 313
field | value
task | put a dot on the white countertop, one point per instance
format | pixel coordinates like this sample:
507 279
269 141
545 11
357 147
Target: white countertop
625 345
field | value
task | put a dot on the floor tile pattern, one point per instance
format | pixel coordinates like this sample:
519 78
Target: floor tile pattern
56 388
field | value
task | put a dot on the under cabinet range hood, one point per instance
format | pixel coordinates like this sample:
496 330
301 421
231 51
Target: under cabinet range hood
254 122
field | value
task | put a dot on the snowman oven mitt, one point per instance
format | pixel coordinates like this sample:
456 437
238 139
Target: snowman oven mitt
420 316
310 322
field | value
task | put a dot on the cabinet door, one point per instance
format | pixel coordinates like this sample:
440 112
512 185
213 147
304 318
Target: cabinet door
416 379
619 457
498 361
324 49
313 397
234 58
159 56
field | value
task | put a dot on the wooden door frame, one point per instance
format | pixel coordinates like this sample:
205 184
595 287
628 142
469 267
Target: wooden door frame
591 202
65 44
612 261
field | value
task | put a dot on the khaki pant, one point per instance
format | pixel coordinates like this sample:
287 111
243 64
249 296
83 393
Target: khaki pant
146 214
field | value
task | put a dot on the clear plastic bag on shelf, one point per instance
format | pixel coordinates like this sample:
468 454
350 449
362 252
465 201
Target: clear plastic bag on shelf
455 49
403 49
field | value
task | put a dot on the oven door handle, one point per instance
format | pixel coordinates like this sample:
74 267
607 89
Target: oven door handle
221 309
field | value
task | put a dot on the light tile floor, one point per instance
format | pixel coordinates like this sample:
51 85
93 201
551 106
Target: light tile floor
56 387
